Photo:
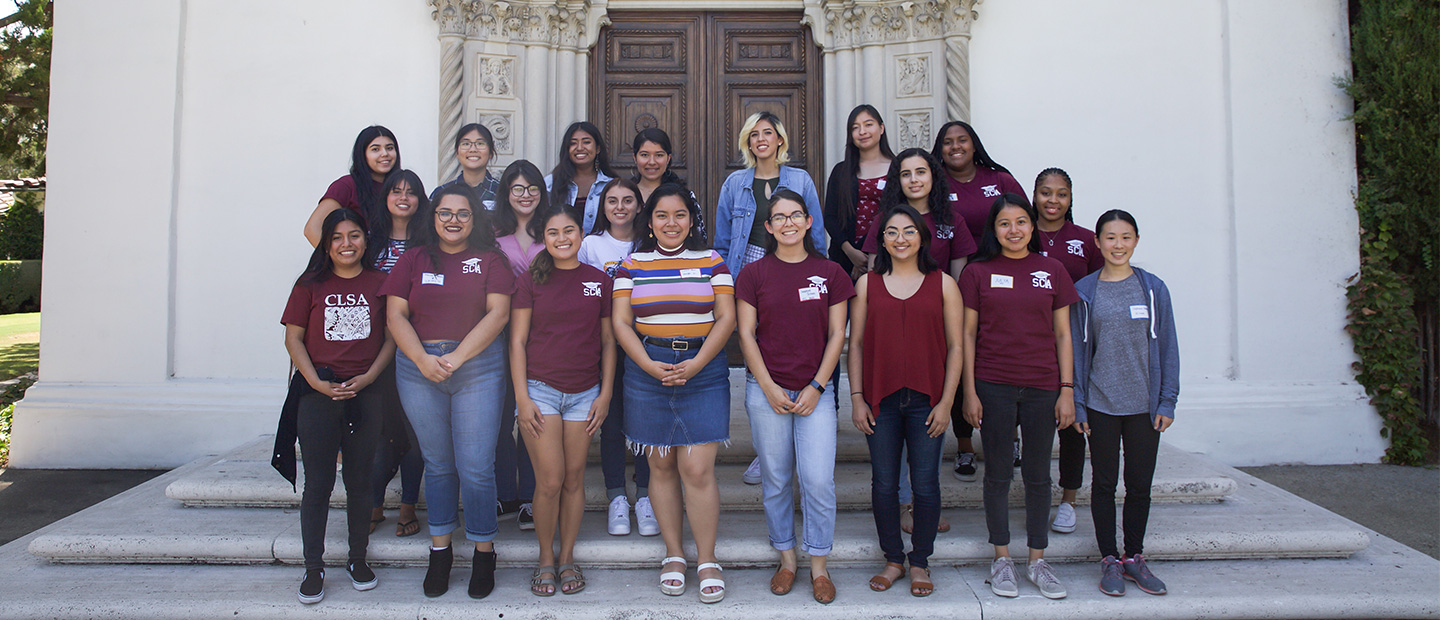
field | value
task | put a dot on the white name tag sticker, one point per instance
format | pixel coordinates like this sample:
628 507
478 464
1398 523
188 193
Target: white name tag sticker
953 197
1139 312
999 281
880 184
689 273
432 278
809 293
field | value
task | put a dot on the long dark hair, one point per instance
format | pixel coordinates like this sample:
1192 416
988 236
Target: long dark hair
989 243
602 222
482 235
894 194
1070 212
771 244
848 170
1116 214
360 167
662 139
981 157
564 173
924 260
320 266
382 224
543 264
645 236
505 220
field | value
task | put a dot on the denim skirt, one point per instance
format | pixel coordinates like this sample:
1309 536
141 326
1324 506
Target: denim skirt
661 417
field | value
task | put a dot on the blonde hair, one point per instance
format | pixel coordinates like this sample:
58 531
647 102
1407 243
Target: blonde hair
782 154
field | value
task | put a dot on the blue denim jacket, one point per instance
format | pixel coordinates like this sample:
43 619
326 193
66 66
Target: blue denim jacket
592 200
1164 356
735 212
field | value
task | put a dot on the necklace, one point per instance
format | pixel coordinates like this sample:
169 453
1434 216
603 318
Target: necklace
1050 238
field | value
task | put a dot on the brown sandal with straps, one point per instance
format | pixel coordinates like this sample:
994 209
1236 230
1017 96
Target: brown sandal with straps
881 583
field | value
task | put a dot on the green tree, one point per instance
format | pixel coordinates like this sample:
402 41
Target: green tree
25 88
22 230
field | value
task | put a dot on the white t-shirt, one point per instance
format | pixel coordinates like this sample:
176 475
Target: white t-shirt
604 252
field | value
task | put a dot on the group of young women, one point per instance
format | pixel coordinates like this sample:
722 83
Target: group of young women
506 300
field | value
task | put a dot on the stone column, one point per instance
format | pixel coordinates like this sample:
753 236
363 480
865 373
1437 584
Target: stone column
960 16
452 16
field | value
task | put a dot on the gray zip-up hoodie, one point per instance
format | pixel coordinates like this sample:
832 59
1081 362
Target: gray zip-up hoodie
1164 379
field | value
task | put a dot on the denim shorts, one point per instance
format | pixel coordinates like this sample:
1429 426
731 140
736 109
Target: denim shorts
660 416
570 407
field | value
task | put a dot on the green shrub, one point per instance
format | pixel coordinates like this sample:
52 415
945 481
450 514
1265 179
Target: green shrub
22 230
19 286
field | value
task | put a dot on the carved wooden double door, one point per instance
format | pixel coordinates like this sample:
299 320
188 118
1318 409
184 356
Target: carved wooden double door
698 76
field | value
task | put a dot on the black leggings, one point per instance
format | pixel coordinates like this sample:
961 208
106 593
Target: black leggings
1072 458
1141 441
1001 406
323 433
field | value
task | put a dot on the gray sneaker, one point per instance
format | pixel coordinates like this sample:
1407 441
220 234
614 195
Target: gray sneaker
1002 578
1138 572
1040 574
1110 580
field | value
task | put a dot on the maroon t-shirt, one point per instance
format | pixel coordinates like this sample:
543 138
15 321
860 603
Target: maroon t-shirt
446 303
343 192
1016 299
1074 246
567 310
344 321
945 245
972 200
792 303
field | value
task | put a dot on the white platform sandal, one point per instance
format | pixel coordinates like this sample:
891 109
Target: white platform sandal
666 588
708 583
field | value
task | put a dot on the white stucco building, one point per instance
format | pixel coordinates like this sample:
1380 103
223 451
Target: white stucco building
190 139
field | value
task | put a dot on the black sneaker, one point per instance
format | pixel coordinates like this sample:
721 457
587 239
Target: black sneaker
312 589
482 573
361 576
504 509
965 466
437 577
526 517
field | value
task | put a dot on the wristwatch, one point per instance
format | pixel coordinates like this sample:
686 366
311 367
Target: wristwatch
816 384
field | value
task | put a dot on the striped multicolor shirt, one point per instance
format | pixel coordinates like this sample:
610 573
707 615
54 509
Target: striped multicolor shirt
673 296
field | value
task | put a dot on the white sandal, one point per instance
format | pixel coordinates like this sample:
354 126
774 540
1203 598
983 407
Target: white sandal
666 588
709 583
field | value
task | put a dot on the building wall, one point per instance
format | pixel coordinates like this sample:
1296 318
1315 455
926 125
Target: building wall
183 163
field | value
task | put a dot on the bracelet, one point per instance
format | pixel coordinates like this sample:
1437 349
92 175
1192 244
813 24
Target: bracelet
854 393
816 384
1065 385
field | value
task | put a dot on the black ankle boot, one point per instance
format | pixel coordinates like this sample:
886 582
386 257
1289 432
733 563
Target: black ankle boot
437 578
482 574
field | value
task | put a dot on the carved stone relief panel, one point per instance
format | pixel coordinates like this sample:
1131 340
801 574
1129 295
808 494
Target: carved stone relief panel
501 126
495 76
915 128
912 75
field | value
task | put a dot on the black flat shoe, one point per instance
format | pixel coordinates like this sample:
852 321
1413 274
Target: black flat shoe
437 578
482 574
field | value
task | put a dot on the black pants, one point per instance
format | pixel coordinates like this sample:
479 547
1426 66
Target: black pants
1001 405
1141 441
1072 457
323 433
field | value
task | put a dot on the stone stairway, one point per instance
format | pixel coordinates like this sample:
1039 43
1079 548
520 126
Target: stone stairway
233 509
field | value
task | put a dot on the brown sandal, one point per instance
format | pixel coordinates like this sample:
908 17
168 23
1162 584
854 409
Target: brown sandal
881 583
783 580
824 589
921 588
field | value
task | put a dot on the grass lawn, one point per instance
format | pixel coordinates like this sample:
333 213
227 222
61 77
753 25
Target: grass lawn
19 344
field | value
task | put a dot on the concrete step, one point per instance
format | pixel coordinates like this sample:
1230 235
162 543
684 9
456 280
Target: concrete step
144 526
244 478
1381 580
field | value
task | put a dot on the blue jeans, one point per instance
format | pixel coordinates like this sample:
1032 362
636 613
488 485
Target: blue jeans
900 424
457 422
788 444
570 407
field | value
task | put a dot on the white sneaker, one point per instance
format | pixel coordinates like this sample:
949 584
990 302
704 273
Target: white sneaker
645 517
752 473
1040 574
619 516
1064 521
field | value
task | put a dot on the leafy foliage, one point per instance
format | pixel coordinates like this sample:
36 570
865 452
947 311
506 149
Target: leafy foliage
22 229
25 84
1396 88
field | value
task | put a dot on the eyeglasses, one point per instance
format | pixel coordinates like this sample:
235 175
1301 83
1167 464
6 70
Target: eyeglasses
909 233
466 145
447 215
521 190
779 219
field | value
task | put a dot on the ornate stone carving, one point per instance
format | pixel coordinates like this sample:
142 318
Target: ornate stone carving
496 77
499 125
558 23
849 23
452 109
452 15
914 128
912 75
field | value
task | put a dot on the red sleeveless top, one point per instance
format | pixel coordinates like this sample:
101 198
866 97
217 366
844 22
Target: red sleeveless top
904 340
